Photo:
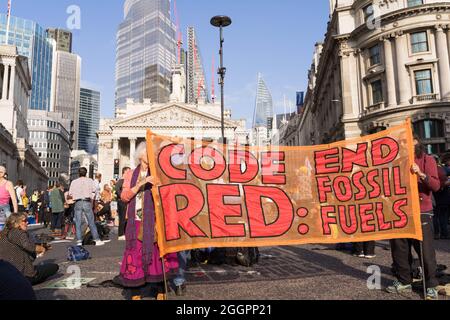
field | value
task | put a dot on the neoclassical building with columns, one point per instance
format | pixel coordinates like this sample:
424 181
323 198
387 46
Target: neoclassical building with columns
380 63
118 138
16 153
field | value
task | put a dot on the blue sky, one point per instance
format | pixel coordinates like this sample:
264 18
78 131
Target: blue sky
275 38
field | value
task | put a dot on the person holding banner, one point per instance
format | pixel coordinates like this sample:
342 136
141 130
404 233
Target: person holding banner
142 265
425 168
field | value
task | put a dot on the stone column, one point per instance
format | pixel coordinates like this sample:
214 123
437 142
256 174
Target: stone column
448 39
346 85
443 64
132 151
404 85
390 74
11 83
5 82
362 75
115 149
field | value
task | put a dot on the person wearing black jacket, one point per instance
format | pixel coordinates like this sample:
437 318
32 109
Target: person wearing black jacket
121 206
13 285
441 211
18 249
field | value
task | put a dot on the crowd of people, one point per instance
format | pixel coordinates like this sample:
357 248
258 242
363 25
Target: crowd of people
129 203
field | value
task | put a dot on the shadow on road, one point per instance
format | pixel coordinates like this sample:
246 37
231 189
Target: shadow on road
335 265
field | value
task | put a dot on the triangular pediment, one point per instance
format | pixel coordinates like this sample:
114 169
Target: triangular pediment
172 114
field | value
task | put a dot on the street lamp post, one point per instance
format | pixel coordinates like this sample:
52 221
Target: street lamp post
221 22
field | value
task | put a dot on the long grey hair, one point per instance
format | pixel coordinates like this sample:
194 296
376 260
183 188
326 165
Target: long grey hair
142 147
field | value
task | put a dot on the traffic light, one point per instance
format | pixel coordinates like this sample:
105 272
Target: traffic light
116 167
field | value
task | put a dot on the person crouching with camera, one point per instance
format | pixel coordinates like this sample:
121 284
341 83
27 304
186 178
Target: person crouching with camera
18 249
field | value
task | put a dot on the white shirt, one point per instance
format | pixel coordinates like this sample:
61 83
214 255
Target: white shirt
19 191
97 190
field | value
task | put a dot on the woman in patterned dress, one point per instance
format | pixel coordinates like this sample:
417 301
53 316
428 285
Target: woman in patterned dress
141 265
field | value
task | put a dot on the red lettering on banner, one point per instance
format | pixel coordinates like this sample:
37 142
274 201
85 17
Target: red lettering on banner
327 220
383 225
219 211
273 173
237 158
348 224
258 226
324 160
387 183
176 218
352 158
357 181
324 188
399 190
376 192
378 158
195 161
397 208
343 183
367 216
165 161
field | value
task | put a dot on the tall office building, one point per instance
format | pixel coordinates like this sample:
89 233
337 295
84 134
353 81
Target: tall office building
66 97
32 42
196 80
51 141
62 37
89 120
263 117
264 104
145 52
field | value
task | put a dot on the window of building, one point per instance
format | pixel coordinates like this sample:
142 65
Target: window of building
436 148
368 12
376 130
375 55
413 3
419 42
424 82
430 129
377 92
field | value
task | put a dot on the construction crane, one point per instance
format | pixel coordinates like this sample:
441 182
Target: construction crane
213 79
197 65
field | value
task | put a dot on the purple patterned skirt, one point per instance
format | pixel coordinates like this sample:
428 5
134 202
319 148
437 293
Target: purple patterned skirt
132 274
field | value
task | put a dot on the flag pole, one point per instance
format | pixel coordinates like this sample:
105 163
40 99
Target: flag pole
8 22
165 296
422 262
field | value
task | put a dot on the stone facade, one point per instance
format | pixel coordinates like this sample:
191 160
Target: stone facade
381 62
82 159
16 154
118 138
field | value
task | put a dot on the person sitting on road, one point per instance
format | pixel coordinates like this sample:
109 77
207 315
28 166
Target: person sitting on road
104 205
18 249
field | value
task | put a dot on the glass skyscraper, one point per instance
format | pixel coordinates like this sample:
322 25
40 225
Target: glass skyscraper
32 42
89 120
264 105
145 52
196 80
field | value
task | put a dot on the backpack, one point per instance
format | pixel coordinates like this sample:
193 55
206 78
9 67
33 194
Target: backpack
77 253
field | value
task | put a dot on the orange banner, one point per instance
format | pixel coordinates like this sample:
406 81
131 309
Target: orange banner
211 195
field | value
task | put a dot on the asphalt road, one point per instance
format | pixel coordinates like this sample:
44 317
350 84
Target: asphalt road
312 272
